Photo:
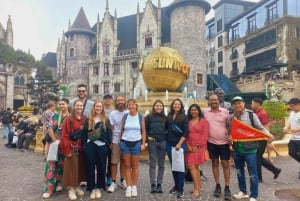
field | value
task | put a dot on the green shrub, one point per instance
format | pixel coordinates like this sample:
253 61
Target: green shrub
276 128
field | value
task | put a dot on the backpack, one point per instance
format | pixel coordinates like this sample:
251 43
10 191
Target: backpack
6 118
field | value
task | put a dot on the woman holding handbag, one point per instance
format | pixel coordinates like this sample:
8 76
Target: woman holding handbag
74 169
97 140
196 142
54 168
177 131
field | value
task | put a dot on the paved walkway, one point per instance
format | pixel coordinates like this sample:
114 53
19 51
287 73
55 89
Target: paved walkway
21 179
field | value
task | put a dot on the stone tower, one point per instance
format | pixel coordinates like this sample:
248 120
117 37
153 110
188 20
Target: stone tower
9 34
77 44
188 37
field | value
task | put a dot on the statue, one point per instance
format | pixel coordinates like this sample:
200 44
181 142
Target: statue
273 92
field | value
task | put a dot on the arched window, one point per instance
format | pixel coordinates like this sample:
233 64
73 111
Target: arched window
19 79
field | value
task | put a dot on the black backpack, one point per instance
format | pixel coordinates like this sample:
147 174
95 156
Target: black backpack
6 118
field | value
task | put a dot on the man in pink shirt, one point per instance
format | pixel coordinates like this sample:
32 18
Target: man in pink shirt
217 145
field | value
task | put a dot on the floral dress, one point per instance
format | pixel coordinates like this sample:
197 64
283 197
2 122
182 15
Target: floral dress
54 169
198 135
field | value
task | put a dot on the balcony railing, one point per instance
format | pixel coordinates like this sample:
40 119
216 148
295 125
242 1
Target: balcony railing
127 52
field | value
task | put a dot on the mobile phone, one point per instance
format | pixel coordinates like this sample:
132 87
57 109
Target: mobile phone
198 146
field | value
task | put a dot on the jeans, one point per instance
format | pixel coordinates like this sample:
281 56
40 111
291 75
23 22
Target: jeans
24 137
261 161
95 156
157 153
6 129
177 176
294 149
251 160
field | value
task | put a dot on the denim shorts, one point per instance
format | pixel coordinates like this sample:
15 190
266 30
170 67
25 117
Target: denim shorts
133 150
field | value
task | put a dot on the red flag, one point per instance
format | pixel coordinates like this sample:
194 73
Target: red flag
243 132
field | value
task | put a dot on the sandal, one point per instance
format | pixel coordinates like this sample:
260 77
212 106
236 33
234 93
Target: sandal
196 194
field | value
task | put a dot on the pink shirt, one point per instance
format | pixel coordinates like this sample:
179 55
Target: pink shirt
217 121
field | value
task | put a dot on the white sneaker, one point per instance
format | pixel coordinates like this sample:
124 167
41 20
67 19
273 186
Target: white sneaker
98 193
128 192
123 184
79 191
240 195
59 188
133 191
93 194
252 199
72 195
46 195
112 187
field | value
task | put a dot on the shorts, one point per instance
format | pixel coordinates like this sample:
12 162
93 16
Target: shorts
115 153
133 150
218 151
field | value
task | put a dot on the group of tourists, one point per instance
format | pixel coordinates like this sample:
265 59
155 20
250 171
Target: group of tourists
88 140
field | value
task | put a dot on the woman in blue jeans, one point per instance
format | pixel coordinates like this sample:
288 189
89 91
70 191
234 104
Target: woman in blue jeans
176 138
156 137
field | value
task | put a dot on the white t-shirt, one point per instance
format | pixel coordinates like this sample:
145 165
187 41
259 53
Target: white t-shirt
294 120
132 128
115 119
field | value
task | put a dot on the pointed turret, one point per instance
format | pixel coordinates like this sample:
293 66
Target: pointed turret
69 25
159 4
9 32
107 7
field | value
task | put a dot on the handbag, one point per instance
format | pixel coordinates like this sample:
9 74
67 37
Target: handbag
75 135
94 134
177 160
176 129
131 143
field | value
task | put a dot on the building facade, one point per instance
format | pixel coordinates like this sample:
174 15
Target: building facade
107 55
253 43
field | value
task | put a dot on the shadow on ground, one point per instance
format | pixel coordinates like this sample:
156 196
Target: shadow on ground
288 194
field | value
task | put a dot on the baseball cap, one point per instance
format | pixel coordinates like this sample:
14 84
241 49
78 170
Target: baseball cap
237 98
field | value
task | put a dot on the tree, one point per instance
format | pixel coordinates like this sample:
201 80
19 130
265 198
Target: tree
42 87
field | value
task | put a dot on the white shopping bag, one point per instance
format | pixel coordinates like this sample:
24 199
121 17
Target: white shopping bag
15 139
53 149
177 160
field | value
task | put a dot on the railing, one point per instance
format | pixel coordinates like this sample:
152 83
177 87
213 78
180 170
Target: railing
127 52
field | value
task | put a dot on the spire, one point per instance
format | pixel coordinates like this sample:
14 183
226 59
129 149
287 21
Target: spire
69 26
98 18
159 4
107 7
138 8
81 21
115 13
9 32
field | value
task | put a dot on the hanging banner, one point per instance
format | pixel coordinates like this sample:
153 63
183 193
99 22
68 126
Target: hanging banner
243 132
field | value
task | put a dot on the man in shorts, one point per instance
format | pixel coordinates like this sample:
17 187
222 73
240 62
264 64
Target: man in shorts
217 144
115 118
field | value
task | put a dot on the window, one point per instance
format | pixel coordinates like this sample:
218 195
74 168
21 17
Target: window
106 88
106 69
220 41
19 79
211 32
106 48
251 24
261 61
72 37
84 71
220 70
95 70
235 33
298 54
117 87
219 25
148 40
220 56
117 69
260 41
297 32
95 89
272 12
199 78
134 65
234 70
72 52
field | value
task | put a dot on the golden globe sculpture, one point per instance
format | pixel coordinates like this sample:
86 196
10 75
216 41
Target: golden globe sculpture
164 69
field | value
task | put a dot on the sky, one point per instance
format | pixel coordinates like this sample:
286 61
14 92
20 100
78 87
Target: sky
38 24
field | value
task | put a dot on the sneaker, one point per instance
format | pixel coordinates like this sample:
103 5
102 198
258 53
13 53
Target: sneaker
93 194
227 194
173 190
58 188
217 191
46 195
153 188
112 187
276 174
240 195
133 191
72 195
159 188
108 181
252 199
180 193
98 193
128 192
79 191
123 184
83 183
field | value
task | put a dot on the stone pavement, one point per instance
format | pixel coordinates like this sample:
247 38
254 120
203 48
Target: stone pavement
21 179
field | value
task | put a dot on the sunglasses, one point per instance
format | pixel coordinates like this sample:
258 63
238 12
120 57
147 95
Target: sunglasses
81 91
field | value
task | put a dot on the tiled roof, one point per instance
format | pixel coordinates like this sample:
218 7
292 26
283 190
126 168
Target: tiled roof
81 21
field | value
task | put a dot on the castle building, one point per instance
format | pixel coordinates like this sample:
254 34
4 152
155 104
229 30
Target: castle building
107 55
252 43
